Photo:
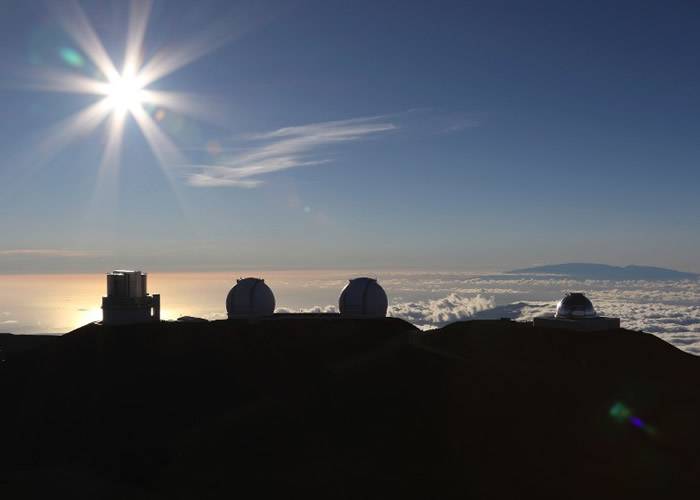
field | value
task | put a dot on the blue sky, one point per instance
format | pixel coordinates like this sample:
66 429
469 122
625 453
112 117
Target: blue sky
463 135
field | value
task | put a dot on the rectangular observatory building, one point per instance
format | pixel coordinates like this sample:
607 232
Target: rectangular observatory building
127 299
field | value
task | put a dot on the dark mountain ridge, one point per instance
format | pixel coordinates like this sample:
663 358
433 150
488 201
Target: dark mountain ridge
11 344
583 270
331 407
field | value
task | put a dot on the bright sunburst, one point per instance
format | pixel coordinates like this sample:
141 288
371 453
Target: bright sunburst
122 92
125 93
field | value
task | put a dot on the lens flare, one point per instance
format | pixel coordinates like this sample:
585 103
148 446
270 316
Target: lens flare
71 57
621 413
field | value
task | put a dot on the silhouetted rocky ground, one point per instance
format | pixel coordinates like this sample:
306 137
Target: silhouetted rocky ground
349 409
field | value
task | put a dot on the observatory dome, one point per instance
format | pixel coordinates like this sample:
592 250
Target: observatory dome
251 297
363 297
574 306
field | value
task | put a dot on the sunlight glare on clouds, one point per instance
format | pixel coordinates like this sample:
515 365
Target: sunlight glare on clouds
85 316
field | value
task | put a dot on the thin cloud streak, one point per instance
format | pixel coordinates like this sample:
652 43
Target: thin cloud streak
44 252
283 149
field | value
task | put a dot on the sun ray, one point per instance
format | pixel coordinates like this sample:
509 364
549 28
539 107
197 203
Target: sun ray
139 13
171 59
185 103
77 25
162 147
112 152
165 151
231 25
76 125
57 80
105 193
56 139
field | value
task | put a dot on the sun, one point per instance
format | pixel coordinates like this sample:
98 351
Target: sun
124 93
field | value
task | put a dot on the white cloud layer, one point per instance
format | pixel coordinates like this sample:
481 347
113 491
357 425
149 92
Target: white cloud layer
668 309
439 312
283 149
314 310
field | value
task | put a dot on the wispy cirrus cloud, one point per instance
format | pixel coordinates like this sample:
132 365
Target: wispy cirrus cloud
283 149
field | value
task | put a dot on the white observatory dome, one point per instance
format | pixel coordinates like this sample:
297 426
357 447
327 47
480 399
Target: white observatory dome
251 297
574 306
363 297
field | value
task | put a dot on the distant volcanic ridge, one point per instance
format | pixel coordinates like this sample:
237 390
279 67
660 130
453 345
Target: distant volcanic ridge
606 272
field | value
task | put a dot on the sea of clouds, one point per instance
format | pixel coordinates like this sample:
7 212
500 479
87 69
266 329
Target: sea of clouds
668 309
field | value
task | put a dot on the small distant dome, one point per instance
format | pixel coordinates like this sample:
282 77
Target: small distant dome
575 305
363 297
251 297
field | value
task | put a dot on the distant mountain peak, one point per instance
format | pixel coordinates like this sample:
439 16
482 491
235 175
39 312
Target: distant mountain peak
586 270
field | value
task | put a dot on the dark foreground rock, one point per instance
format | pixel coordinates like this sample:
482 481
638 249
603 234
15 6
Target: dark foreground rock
350 409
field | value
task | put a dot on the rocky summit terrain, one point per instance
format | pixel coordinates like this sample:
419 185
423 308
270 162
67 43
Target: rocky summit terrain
347 408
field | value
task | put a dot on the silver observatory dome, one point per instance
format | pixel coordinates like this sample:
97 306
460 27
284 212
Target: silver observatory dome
363 297
574 306
251 297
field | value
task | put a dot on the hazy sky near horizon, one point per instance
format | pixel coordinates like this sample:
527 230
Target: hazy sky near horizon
365 134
